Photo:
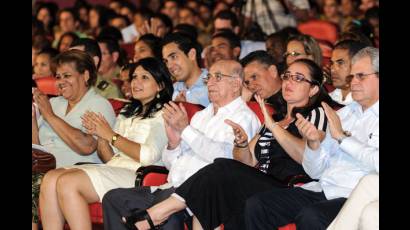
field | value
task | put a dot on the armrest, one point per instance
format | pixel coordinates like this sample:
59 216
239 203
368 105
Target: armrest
299 180
143 171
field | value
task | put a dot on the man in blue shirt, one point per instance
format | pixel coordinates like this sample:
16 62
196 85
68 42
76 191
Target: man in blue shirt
182 58
349 152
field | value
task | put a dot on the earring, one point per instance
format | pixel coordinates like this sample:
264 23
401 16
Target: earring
158 95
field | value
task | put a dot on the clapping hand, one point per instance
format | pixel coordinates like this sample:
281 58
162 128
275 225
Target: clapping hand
181 96
308 131
335 126
43 104
269 122
241 138
174 138
176 116
96 124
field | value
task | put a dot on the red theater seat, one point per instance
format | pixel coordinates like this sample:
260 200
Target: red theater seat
320 30
47 85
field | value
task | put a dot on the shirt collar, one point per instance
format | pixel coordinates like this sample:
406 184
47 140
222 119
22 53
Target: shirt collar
180 85
357 108
232 106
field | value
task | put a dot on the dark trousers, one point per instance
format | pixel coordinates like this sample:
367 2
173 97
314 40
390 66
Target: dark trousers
125 201
279 207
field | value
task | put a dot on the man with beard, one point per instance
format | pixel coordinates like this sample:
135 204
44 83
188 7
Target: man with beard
182 57
225 45
340 65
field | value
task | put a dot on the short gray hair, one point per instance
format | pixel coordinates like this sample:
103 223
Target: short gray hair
372 53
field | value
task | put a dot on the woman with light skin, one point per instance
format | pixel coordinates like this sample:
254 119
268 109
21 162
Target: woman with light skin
303 46
42 65
137 139
268 161
148 45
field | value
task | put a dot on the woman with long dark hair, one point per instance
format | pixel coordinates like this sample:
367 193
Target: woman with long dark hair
137 139
217 193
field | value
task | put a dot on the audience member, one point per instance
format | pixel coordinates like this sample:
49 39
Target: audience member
181 56
59 129
340 66
190 147
137 139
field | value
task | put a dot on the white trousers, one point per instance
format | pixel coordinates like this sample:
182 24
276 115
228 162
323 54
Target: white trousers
361 210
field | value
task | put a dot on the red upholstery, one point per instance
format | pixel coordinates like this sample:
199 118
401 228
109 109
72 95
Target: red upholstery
154 179
96 213
288 227
129 49
329 87
151 179
47 85
320 29
254 106
327 49
191 109
116 105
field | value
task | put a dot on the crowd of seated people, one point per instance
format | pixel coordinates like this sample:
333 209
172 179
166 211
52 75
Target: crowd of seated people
117 73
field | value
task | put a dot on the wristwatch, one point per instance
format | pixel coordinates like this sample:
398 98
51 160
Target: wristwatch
345 134
114 138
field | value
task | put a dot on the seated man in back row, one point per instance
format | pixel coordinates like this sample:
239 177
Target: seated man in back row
349 152
190 146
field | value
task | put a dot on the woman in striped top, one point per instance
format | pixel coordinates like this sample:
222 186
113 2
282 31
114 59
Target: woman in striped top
216 194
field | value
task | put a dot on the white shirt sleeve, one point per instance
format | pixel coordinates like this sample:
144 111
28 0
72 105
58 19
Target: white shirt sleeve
170 156
363 152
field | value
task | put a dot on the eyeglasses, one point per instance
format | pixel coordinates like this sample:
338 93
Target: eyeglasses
293 54
218 76
360 76
297 78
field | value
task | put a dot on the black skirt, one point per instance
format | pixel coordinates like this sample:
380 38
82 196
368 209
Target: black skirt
217 193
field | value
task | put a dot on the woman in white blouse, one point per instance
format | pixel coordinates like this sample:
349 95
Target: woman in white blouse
137 139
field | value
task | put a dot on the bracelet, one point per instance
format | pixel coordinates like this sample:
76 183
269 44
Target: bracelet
243 145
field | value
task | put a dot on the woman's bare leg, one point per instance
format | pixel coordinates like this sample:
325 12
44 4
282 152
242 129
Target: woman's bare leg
34 226
161 211
51 216
74 192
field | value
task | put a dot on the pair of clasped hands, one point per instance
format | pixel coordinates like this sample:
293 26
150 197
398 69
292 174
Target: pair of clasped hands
306 129
41 105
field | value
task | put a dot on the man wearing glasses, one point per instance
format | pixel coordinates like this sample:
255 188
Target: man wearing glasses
190 146
340 66
349 152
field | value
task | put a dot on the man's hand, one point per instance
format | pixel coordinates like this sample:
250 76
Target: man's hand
174 138
181 96
246 94
240 135
176 116
308 131
335 125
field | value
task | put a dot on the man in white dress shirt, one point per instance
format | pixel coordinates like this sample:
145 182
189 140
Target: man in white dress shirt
190 146
340 65
349 152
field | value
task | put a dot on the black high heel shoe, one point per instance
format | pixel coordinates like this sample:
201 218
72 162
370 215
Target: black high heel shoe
139 216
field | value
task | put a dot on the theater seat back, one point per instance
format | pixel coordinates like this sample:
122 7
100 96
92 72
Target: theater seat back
254 106
47 85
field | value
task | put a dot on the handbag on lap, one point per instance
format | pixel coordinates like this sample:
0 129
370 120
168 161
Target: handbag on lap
42 161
